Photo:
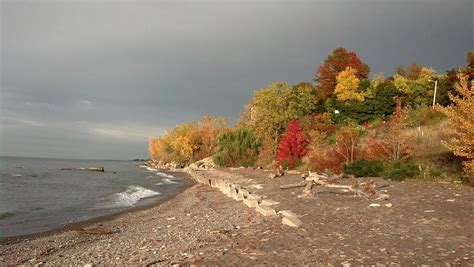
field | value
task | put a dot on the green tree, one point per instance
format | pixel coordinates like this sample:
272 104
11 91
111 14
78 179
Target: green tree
273 107
380 104
239 147
418 87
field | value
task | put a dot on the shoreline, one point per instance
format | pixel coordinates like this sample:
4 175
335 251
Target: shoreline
421 224
187 183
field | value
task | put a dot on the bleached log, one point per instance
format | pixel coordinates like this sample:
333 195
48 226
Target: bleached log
307 191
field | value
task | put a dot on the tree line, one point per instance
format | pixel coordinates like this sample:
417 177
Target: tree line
344 121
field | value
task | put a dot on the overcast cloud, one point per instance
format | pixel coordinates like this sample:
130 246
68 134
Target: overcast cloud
94 79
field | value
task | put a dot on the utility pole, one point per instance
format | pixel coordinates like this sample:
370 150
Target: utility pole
435 89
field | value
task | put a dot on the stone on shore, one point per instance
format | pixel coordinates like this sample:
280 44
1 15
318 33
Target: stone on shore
251 203
291 221
269 202
254 197
244 193
287 213
238 197
265 210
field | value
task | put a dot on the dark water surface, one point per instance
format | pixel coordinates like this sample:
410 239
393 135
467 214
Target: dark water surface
36 195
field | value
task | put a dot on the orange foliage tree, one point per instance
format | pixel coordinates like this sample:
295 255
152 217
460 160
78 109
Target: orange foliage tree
461 123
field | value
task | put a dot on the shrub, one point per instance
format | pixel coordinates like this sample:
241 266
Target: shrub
239 147
364 168
328 153
389 142
424 115
400 170
322 157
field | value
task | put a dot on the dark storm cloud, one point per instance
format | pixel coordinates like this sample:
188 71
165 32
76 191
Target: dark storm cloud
93 79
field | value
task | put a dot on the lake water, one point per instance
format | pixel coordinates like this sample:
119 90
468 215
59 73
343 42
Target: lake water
36 195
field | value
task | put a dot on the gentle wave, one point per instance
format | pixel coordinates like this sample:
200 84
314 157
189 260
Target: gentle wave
127 198
169 181
162 174
16 174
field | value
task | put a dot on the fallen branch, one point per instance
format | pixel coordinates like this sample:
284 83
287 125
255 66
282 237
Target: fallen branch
289 186
95 231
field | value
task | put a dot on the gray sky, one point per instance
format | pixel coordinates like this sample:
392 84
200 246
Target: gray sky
94 79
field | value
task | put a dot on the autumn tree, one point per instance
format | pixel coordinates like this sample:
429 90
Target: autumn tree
469 70
152 151
189 141
186 140
348 142
328 154
390 142
322 156
316 123
410 72
461 123
336 62
292 146
209 129
418 88
347 88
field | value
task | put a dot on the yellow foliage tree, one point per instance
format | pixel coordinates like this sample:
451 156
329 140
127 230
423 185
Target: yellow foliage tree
401 83
461 122
188 142
347 88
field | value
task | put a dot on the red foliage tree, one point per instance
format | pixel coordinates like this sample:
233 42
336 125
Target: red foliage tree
292 146
338 61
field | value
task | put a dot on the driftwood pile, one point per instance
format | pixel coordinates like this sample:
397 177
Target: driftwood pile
360 188
278 173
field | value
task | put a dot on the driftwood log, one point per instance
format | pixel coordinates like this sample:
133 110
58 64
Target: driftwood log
366 188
